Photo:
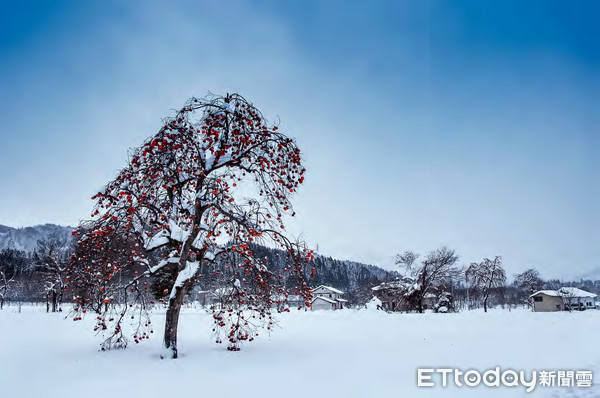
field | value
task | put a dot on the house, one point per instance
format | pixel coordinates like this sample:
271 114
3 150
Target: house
395 296
547 301
563 299
428 301
392 294
578 299
203 297
327 298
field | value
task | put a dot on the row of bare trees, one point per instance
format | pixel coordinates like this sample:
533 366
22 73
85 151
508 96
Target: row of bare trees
438 272
481 284
40 275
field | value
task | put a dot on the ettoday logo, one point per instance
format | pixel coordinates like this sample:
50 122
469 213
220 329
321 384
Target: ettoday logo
429 377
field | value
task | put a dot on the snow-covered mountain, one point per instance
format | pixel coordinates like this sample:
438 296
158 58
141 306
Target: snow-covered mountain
26 238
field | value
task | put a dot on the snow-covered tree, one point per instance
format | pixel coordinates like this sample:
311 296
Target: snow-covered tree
436 272
528 282
193 198
15 281
445 303
51 259
5 282
486 277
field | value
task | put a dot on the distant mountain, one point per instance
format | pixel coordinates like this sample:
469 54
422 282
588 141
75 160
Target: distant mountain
593 275
26 239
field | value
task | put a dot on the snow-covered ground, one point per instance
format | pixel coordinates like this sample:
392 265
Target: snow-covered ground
336 354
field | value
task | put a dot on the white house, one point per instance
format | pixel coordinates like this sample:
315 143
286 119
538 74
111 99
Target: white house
578 299
327 298
565 298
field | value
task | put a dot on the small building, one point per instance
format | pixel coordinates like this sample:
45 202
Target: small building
547 301
323 303
563 299
203 297
392 294
428 301
327 298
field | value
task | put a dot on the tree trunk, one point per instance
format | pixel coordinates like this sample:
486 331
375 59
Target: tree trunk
424 289
485 304
172 318
54 301
178 295
60 299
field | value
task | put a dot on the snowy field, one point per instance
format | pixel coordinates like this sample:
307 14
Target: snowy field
336 354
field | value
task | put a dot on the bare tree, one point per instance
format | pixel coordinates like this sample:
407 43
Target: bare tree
486 276
194 197
5 283
436 271
406 259
528 282
51 259
570 299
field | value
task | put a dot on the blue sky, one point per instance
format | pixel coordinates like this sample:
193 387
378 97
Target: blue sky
423 123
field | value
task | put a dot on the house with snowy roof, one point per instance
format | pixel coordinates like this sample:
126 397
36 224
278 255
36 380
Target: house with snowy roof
428 301
563 299
394 296
327 298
